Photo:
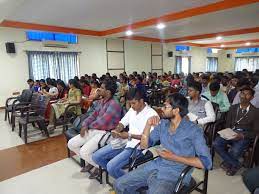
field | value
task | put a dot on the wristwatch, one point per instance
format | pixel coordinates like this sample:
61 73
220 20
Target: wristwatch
129 136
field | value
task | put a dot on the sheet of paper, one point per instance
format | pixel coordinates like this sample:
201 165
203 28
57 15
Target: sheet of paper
227 134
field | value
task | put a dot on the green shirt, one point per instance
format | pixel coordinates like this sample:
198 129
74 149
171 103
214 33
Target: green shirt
221 99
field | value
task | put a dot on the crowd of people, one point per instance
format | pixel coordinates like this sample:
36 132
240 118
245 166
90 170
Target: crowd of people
120 103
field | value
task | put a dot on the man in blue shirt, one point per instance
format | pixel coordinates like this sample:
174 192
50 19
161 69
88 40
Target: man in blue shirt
182 144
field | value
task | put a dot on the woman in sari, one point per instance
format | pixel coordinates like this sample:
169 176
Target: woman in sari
74 96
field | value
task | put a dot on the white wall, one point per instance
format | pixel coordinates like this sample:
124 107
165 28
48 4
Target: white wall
14 67
137 56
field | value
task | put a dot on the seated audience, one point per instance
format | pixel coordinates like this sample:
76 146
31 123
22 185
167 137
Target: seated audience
176 81
217 96
86 88
43 86
57 109
53 91
62 90
105 117
201 110
32 85
115 155
205 83
242 118
232 89
182 144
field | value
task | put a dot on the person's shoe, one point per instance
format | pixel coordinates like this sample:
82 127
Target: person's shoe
94 174
87 168
232 171
225 166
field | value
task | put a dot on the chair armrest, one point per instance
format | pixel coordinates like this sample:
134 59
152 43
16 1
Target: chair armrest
9 99
179 182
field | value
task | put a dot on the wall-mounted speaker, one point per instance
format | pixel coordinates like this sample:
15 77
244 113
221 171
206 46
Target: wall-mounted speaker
228 55
10 47
170 54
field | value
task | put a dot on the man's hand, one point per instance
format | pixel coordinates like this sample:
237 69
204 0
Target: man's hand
83 131
239 136
115 133
168 155
153 121
123 135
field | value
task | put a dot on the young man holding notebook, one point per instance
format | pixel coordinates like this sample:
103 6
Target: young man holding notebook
243 119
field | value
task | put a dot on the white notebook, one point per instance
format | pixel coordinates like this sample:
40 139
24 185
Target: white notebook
227 134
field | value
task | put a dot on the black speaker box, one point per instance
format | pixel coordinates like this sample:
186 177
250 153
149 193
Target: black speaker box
10 47
170 54
228 55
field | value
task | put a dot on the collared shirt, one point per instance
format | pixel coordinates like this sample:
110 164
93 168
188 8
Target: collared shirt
137 122
203 110
187 141
106 115
221 99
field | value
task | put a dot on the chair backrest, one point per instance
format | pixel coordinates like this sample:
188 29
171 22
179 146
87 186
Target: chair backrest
42 104
25 96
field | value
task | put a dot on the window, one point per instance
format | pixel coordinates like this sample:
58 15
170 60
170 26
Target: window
58 65
182 48
212 64
41 36
183 64
249 63
247 50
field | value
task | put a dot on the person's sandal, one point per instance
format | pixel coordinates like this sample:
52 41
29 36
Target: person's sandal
232 171
94 174
87 168
225 166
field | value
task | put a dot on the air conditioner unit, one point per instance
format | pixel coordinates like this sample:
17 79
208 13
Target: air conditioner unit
56 44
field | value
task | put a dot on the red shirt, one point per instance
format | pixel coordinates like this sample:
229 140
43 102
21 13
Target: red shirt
86 90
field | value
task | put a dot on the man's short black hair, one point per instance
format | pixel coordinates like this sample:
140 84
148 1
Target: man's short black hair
135 94
214 86
110 85
252 92
30 80
195 85
177 100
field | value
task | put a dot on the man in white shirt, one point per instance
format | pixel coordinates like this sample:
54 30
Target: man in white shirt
114 156
200 110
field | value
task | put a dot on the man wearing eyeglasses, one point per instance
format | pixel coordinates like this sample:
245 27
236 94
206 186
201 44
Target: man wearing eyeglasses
183 144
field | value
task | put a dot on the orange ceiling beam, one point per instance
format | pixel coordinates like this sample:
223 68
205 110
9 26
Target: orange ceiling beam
31 26
214 35
222 5
218 6
142 38
251 46
232 43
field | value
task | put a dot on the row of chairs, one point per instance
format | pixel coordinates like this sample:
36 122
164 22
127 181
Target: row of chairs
31 108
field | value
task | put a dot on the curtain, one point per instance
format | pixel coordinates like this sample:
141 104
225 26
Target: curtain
212 64
249 63
178 65
58 65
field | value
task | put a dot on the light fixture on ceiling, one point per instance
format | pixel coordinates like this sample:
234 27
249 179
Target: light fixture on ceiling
248 44
129 32
160 26
222 45
219 38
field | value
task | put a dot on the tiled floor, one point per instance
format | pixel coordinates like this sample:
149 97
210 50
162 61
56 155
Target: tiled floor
42 168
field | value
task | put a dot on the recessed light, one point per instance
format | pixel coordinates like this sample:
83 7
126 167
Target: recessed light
222 45
129 33
160 26
248 44
219 38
